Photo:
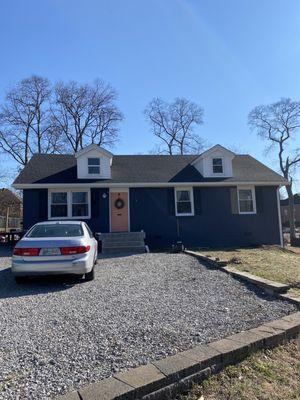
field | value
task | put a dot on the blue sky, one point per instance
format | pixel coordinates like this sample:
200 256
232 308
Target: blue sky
227 56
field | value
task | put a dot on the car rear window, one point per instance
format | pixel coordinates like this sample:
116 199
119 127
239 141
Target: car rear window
59 230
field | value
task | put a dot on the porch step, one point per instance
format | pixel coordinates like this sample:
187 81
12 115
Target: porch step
120 243
117 236
119 250
123 242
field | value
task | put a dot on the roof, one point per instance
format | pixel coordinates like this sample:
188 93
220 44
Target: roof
132 169
7 197
285 202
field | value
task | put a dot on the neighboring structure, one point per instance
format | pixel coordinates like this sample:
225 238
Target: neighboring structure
285 211
11 210
216 198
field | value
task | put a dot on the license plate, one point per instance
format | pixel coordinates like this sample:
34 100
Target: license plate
52 251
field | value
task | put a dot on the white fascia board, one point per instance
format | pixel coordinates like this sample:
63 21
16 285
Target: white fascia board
93 147
142 184
212 150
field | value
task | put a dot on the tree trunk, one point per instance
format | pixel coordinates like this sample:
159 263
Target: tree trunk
291 213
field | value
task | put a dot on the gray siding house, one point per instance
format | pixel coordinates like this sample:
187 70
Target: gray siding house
214 199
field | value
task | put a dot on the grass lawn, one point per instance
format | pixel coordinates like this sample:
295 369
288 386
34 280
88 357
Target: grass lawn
267 375
270 262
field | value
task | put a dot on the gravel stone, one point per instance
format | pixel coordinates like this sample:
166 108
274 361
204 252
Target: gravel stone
57 335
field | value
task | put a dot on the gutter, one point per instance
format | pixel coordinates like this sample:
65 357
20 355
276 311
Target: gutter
145 184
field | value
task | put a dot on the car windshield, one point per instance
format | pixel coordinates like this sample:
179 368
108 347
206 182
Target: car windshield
53 230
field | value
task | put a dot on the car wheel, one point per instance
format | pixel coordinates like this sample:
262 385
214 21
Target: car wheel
20 279
89 276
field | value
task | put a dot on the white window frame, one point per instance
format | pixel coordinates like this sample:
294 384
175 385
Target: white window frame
93 165
186 188
212 166
252 188
69 203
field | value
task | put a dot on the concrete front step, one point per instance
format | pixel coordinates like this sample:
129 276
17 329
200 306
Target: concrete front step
123 249
116 245
122 235
122 242
128 243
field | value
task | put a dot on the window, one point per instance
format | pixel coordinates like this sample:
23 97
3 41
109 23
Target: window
69 204
79 204
217 165
94 165
59 204
184 204
246 197
55 230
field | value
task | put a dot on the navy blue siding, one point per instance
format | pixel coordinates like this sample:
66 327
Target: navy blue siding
153 210
213 225
99 221
35 208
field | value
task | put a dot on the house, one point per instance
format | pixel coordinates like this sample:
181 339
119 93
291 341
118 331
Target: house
11 211
284 204
217 198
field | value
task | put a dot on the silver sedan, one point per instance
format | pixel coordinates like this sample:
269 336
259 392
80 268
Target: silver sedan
55 247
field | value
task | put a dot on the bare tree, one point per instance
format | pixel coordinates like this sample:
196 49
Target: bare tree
174 124
86 114
25 123
279 123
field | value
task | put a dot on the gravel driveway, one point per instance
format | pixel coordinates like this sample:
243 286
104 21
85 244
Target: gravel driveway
55 334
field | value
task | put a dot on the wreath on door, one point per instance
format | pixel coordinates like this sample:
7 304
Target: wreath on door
119 204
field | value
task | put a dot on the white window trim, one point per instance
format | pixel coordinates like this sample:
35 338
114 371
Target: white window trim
252 188
69 203
192 213
93 165
212 166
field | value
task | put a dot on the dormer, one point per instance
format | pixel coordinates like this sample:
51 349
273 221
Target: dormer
93 162
215 162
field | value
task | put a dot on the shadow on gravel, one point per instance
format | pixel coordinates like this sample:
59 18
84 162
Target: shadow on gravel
34 286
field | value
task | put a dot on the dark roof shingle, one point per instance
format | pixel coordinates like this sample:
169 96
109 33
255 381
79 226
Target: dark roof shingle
57 168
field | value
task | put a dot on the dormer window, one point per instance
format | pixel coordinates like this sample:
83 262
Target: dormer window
94 165
217 164
93 162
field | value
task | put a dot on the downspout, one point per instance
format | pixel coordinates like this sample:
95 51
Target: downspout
279 218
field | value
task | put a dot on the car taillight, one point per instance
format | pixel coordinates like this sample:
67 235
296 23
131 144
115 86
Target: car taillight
74 250
30 251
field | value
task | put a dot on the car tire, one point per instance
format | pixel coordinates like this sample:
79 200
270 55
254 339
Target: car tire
20 279
89 276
